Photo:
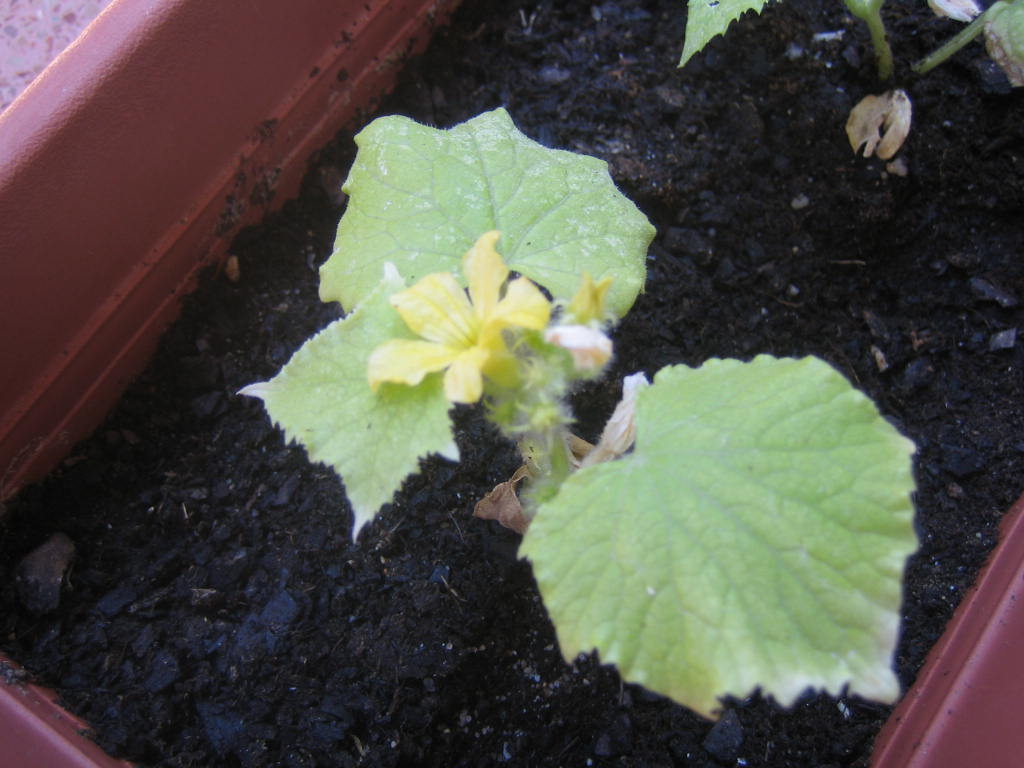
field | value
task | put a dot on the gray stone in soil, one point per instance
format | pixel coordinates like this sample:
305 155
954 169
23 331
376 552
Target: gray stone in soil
40 574
725 738
1003 340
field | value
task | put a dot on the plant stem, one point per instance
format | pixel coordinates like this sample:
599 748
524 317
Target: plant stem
870 12
954 44
883 53
548 456
535 415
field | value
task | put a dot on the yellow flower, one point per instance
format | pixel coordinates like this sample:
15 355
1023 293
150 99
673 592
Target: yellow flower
587 305
461 335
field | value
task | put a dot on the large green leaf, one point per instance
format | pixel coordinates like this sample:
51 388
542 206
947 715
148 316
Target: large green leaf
420 197
322 399
707 18
755 537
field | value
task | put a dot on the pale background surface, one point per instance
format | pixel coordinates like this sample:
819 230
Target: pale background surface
33 33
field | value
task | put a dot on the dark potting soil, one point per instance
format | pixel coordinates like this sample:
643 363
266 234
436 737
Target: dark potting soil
217 612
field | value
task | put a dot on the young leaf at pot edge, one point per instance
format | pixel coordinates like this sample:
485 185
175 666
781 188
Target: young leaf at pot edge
420 197
755 537
709 18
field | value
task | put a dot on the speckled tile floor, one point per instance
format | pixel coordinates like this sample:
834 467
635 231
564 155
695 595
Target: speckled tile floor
33 33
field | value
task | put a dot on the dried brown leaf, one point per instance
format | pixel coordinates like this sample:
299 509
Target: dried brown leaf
880 124
959 10
502 504
620 431
578 449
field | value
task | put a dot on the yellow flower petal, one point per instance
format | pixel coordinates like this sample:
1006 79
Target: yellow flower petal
523 306
437 309
485 273
464 381
407 361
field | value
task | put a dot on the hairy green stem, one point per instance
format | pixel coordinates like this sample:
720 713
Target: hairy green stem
549 457
536 416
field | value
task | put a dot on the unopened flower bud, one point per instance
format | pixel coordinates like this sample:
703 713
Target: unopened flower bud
589 347
588 305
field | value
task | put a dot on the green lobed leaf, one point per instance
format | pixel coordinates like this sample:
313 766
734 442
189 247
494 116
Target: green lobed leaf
420 197
755 537
707 18
322 399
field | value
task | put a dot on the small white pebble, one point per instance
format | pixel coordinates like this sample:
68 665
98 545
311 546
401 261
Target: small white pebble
880 360
897 167
828 37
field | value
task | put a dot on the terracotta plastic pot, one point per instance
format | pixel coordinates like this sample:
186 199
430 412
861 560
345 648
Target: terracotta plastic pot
132 160
125 168
35 732
128 166
964 708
